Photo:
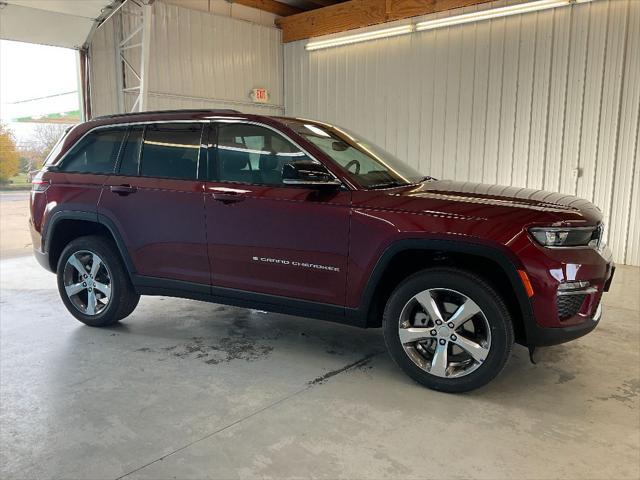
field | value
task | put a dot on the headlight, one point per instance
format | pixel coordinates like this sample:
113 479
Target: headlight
568 236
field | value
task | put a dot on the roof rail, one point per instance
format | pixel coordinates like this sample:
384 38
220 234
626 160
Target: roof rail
192 110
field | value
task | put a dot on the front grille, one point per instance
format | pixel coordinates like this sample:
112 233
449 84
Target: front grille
569 305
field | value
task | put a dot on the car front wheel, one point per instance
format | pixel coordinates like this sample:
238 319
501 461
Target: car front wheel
448 329
93 283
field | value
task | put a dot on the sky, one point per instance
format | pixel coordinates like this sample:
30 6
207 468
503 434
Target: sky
29 71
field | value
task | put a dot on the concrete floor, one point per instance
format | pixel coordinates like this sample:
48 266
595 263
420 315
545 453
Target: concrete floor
184 389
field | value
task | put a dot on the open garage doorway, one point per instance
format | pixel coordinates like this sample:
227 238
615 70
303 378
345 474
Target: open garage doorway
40 100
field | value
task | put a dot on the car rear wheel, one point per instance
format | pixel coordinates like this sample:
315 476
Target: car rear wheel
93 283
448 329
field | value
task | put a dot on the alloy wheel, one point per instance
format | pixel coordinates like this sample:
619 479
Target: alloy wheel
444 332
87 282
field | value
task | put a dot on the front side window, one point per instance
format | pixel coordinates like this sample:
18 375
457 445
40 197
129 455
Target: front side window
253 154
95 153
171 151
370 165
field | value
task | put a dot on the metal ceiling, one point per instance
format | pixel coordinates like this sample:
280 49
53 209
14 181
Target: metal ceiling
61 23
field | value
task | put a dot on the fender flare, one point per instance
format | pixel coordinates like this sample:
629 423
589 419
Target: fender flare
498 254
58 216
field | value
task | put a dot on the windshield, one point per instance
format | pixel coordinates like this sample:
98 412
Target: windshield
368 164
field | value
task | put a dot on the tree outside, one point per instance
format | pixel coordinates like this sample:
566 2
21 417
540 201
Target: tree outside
18 160
9 156
42 140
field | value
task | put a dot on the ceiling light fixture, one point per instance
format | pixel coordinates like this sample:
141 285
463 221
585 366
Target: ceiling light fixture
442 22
493 13
360 37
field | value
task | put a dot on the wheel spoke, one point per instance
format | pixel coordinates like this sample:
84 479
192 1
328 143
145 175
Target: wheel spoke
477 351
413 334
95 265
74 289
426 300
440 361
105 289
77 264
91 302
451 315
464 312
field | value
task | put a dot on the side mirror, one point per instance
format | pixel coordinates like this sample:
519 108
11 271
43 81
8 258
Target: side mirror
309 174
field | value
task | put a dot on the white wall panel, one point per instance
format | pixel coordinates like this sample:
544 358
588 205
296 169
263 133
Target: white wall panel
102 55
542 100
197 60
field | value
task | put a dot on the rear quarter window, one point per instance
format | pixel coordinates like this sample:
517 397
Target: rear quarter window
96 152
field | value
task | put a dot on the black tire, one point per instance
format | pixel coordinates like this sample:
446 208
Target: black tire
475 288
123 299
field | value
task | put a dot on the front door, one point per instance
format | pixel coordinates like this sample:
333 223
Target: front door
264 236
156 202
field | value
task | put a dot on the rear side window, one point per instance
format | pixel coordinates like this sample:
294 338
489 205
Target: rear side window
95 153
171 151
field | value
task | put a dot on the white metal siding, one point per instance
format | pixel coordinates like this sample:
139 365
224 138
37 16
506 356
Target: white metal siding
102 55
521 101
198 60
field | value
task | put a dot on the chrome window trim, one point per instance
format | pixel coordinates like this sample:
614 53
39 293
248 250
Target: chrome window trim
282 134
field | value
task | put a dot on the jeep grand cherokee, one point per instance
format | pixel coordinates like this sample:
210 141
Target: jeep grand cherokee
300 217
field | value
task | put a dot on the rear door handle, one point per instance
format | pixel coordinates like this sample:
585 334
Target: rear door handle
123 190
228 197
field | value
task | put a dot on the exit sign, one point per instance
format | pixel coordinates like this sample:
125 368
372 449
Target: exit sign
260 95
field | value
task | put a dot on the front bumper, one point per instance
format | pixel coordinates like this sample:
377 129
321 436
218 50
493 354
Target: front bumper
560 315
538 336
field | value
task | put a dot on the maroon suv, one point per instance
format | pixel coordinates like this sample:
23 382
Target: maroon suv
300 217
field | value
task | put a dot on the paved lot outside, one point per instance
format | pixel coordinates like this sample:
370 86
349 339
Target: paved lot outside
15 239
185 389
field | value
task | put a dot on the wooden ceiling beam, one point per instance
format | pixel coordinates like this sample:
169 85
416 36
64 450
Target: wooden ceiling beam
271 6
360 13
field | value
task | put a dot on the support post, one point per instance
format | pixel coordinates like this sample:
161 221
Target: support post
118 27
147 12
80 81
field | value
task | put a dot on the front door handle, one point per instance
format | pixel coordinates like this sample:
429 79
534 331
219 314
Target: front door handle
123 190
228 197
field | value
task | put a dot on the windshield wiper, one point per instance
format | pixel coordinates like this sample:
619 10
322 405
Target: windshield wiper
426 178
394 183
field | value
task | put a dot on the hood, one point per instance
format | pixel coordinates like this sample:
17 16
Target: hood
467 198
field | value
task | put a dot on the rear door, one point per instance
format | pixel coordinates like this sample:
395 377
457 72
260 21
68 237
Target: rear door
156 202
77 182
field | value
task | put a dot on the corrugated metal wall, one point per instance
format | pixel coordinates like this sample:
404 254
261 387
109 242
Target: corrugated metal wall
198 60
102 70
545 100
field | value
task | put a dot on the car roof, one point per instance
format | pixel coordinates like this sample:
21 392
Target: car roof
169 115
177 112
